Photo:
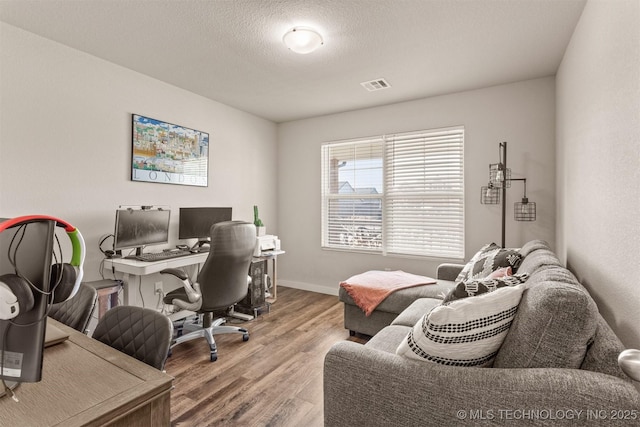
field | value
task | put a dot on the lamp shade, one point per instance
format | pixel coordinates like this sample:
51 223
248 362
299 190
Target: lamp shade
499 176
302 40
525 210
489 195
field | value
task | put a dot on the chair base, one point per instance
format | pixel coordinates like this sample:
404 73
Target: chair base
194 330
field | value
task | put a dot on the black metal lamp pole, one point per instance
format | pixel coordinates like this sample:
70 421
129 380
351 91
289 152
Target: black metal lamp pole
503 148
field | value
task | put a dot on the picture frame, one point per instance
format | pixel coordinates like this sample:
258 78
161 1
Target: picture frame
166 153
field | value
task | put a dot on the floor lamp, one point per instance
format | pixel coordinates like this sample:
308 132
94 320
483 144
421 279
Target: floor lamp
495 192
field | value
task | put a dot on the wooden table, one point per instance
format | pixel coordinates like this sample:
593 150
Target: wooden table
87 383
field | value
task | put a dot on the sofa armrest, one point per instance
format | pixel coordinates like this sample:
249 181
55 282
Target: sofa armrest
448 271
368 387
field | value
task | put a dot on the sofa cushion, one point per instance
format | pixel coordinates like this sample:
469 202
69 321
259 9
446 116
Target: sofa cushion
553 327
474 287
539 259
602 354
533 245
388 338
488 259
415 311
466 332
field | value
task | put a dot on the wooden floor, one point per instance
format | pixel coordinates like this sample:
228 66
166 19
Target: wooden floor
274 379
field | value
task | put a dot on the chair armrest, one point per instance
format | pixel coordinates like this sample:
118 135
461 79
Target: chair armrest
175 272
364 386
192 292
448 271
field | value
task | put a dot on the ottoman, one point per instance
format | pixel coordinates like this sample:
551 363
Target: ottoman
356 321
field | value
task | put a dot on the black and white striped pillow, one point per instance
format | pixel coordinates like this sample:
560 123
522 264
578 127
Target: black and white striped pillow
466 332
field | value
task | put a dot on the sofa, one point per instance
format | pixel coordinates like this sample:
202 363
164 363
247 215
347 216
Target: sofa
557 364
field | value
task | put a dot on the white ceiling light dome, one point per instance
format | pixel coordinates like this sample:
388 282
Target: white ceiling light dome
302 39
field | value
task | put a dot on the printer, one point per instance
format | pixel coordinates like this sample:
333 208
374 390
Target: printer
266 243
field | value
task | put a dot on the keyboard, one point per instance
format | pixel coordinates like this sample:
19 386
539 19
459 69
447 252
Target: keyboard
160 256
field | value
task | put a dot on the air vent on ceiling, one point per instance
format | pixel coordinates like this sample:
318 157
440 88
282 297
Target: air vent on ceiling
376 84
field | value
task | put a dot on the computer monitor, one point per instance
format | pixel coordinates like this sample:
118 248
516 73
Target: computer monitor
140 227
195 223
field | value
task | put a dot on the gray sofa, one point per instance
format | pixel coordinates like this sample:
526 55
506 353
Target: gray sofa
556 366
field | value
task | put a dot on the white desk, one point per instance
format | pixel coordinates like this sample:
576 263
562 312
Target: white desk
132 267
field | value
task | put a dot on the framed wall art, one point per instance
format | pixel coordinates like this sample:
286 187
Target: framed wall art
169 154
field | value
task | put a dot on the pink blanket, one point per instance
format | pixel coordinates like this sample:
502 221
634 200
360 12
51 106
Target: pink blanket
369 289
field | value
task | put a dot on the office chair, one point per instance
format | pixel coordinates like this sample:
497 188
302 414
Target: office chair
223 281
140 332
76 312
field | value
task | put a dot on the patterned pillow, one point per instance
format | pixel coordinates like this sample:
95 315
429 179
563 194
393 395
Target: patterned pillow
483 250
467 332
475 287
490 258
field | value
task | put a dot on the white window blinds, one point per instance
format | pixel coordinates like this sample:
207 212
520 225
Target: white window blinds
352 183
397 194
424 194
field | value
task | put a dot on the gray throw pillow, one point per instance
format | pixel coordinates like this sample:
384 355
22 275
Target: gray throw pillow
554 325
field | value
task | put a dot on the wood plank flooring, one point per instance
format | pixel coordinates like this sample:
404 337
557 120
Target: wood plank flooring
274 379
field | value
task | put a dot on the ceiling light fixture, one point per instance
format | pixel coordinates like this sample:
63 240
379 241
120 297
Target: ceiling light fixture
302 39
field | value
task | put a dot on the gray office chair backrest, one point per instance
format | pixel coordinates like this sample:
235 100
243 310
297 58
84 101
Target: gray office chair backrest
76 312
223 278
139 332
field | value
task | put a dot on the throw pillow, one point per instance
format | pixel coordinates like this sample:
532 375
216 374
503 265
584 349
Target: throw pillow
475 287
467 332
485 263
554 328
483 250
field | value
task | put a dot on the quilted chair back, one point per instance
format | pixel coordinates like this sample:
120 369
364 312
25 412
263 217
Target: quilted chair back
224 276
139 332
76 312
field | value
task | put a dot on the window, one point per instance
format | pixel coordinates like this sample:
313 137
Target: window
395 194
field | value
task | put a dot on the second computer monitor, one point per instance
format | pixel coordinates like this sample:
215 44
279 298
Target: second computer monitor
140 227
195 223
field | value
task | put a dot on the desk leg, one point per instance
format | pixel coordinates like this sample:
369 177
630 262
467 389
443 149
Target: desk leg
127 296
274 280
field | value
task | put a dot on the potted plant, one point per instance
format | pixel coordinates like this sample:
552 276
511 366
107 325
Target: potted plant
260 228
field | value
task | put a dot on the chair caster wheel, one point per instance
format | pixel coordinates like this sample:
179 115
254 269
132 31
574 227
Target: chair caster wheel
245 337
214 357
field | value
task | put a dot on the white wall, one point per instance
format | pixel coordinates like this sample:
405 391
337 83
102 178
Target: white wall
65 142
598 151
521 113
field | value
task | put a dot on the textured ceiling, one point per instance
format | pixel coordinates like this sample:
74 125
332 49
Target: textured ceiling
231 51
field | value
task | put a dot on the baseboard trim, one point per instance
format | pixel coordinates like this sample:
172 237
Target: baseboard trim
308 287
